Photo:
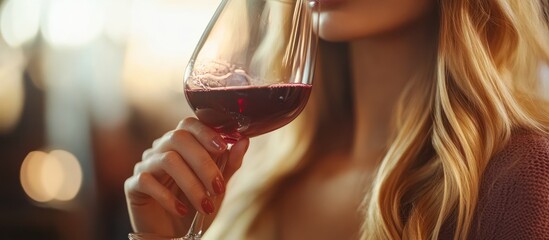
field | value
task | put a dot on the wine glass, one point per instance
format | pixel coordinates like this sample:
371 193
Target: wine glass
252 70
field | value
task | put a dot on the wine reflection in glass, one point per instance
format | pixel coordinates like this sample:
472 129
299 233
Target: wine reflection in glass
252 70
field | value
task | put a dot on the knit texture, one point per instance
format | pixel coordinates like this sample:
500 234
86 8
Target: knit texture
514 193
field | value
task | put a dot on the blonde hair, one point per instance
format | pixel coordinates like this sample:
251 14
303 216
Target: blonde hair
482 84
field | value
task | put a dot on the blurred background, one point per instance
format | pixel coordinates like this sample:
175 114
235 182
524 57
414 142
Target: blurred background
85 87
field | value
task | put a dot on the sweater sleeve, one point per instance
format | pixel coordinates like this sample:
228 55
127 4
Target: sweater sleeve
514 198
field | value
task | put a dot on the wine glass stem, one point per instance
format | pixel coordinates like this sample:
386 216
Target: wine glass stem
196 229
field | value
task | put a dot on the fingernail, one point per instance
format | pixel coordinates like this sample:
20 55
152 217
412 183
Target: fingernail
218 185
219 143
181 209
207 206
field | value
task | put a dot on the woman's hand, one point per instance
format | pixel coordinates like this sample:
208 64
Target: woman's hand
179 175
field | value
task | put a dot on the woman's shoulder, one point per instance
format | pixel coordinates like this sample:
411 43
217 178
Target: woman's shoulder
514 193
526 150
523 162
524 138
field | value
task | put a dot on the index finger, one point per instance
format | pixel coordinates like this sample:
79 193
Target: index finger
209 138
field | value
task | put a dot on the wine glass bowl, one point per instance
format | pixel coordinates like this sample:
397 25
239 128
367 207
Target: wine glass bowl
251 72
243 109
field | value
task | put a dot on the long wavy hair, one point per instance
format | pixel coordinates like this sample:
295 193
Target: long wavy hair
482 84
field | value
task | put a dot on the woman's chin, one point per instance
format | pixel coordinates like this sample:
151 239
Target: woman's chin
332 34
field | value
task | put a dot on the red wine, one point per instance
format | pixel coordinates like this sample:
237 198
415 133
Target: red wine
248 111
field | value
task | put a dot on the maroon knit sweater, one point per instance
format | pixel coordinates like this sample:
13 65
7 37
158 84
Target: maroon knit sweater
514 193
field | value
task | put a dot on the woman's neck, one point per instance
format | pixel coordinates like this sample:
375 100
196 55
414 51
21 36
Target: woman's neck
380 69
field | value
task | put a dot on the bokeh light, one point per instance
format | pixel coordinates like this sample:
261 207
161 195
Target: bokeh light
51 176
72 23
54 176
12 94
72 173
117 20
31 176
20 21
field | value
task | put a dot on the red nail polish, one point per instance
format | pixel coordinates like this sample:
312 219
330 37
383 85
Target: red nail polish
207 206
218 185
181 209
